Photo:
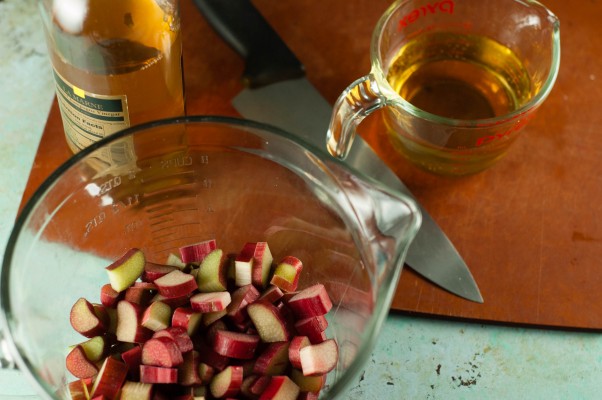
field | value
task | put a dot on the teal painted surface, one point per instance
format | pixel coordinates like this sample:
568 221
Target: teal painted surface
432 359
414 358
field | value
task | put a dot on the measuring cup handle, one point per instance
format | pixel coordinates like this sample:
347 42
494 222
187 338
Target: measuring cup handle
355 103
6 361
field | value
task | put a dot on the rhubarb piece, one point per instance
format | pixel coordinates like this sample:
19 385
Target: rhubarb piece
136 391
126 270
205 372
155 374
156 316
140 295
85 320
243 269
173 302
175 261
234 344
313 328
187 318
287 316
188 371
110 379
319 359
261 264
95 348
286 274
79 365
78 390
194 272
176 284
212 273
313 383
258 387
227 383
211 317
178 335
102 313
109 296
319 323
294 350
197 252
161 352
210 302
145 285
281 387
310 302
273 360
128 323
272 294
133 358
286 296
268 321
241 298
317 337
153 271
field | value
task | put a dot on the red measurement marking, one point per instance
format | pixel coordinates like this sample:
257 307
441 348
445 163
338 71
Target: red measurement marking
500 135
445 6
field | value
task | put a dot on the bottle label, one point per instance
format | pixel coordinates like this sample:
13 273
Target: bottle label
89 117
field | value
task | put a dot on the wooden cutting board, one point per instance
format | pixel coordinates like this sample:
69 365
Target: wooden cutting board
530 228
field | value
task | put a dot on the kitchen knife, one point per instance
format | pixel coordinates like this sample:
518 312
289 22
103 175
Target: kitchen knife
278 93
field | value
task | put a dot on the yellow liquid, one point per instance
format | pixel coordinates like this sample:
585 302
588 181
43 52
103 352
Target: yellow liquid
458 76
126 47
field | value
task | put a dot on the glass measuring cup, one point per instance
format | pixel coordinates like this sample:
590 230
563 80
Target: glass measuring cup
188 180
458 80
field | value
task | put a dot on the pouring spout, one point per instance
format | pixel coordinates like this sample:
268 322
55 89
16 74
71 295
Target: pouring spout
388 221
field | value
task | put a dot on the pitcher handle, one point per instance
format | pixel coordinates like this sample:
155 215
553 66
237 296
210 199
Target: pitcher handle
356 102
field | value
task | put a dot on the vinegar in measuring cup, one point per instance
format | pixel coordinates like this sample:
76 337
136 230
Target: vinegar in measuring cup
457 76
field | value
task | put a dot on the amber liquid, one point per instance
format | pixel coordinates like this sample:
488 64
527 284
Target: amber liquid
458 76
125 48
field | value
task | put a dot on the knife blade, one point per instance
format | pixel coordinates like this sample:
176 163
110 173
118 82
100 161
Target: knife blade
278 93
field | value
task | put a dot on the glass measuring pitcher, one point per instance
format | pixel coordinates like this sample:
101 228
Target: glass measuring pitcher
189 180
458 80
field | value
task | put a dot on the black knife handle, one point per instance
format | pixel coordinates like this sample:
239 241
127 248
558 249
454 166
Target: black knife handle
238 22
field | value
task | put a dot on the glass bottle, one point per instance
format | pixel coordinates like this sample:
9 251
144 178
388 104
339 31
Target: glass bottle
116 63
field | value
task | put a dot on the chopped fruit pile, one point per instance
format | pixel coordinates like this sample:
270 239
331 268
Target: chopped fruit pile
202 326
